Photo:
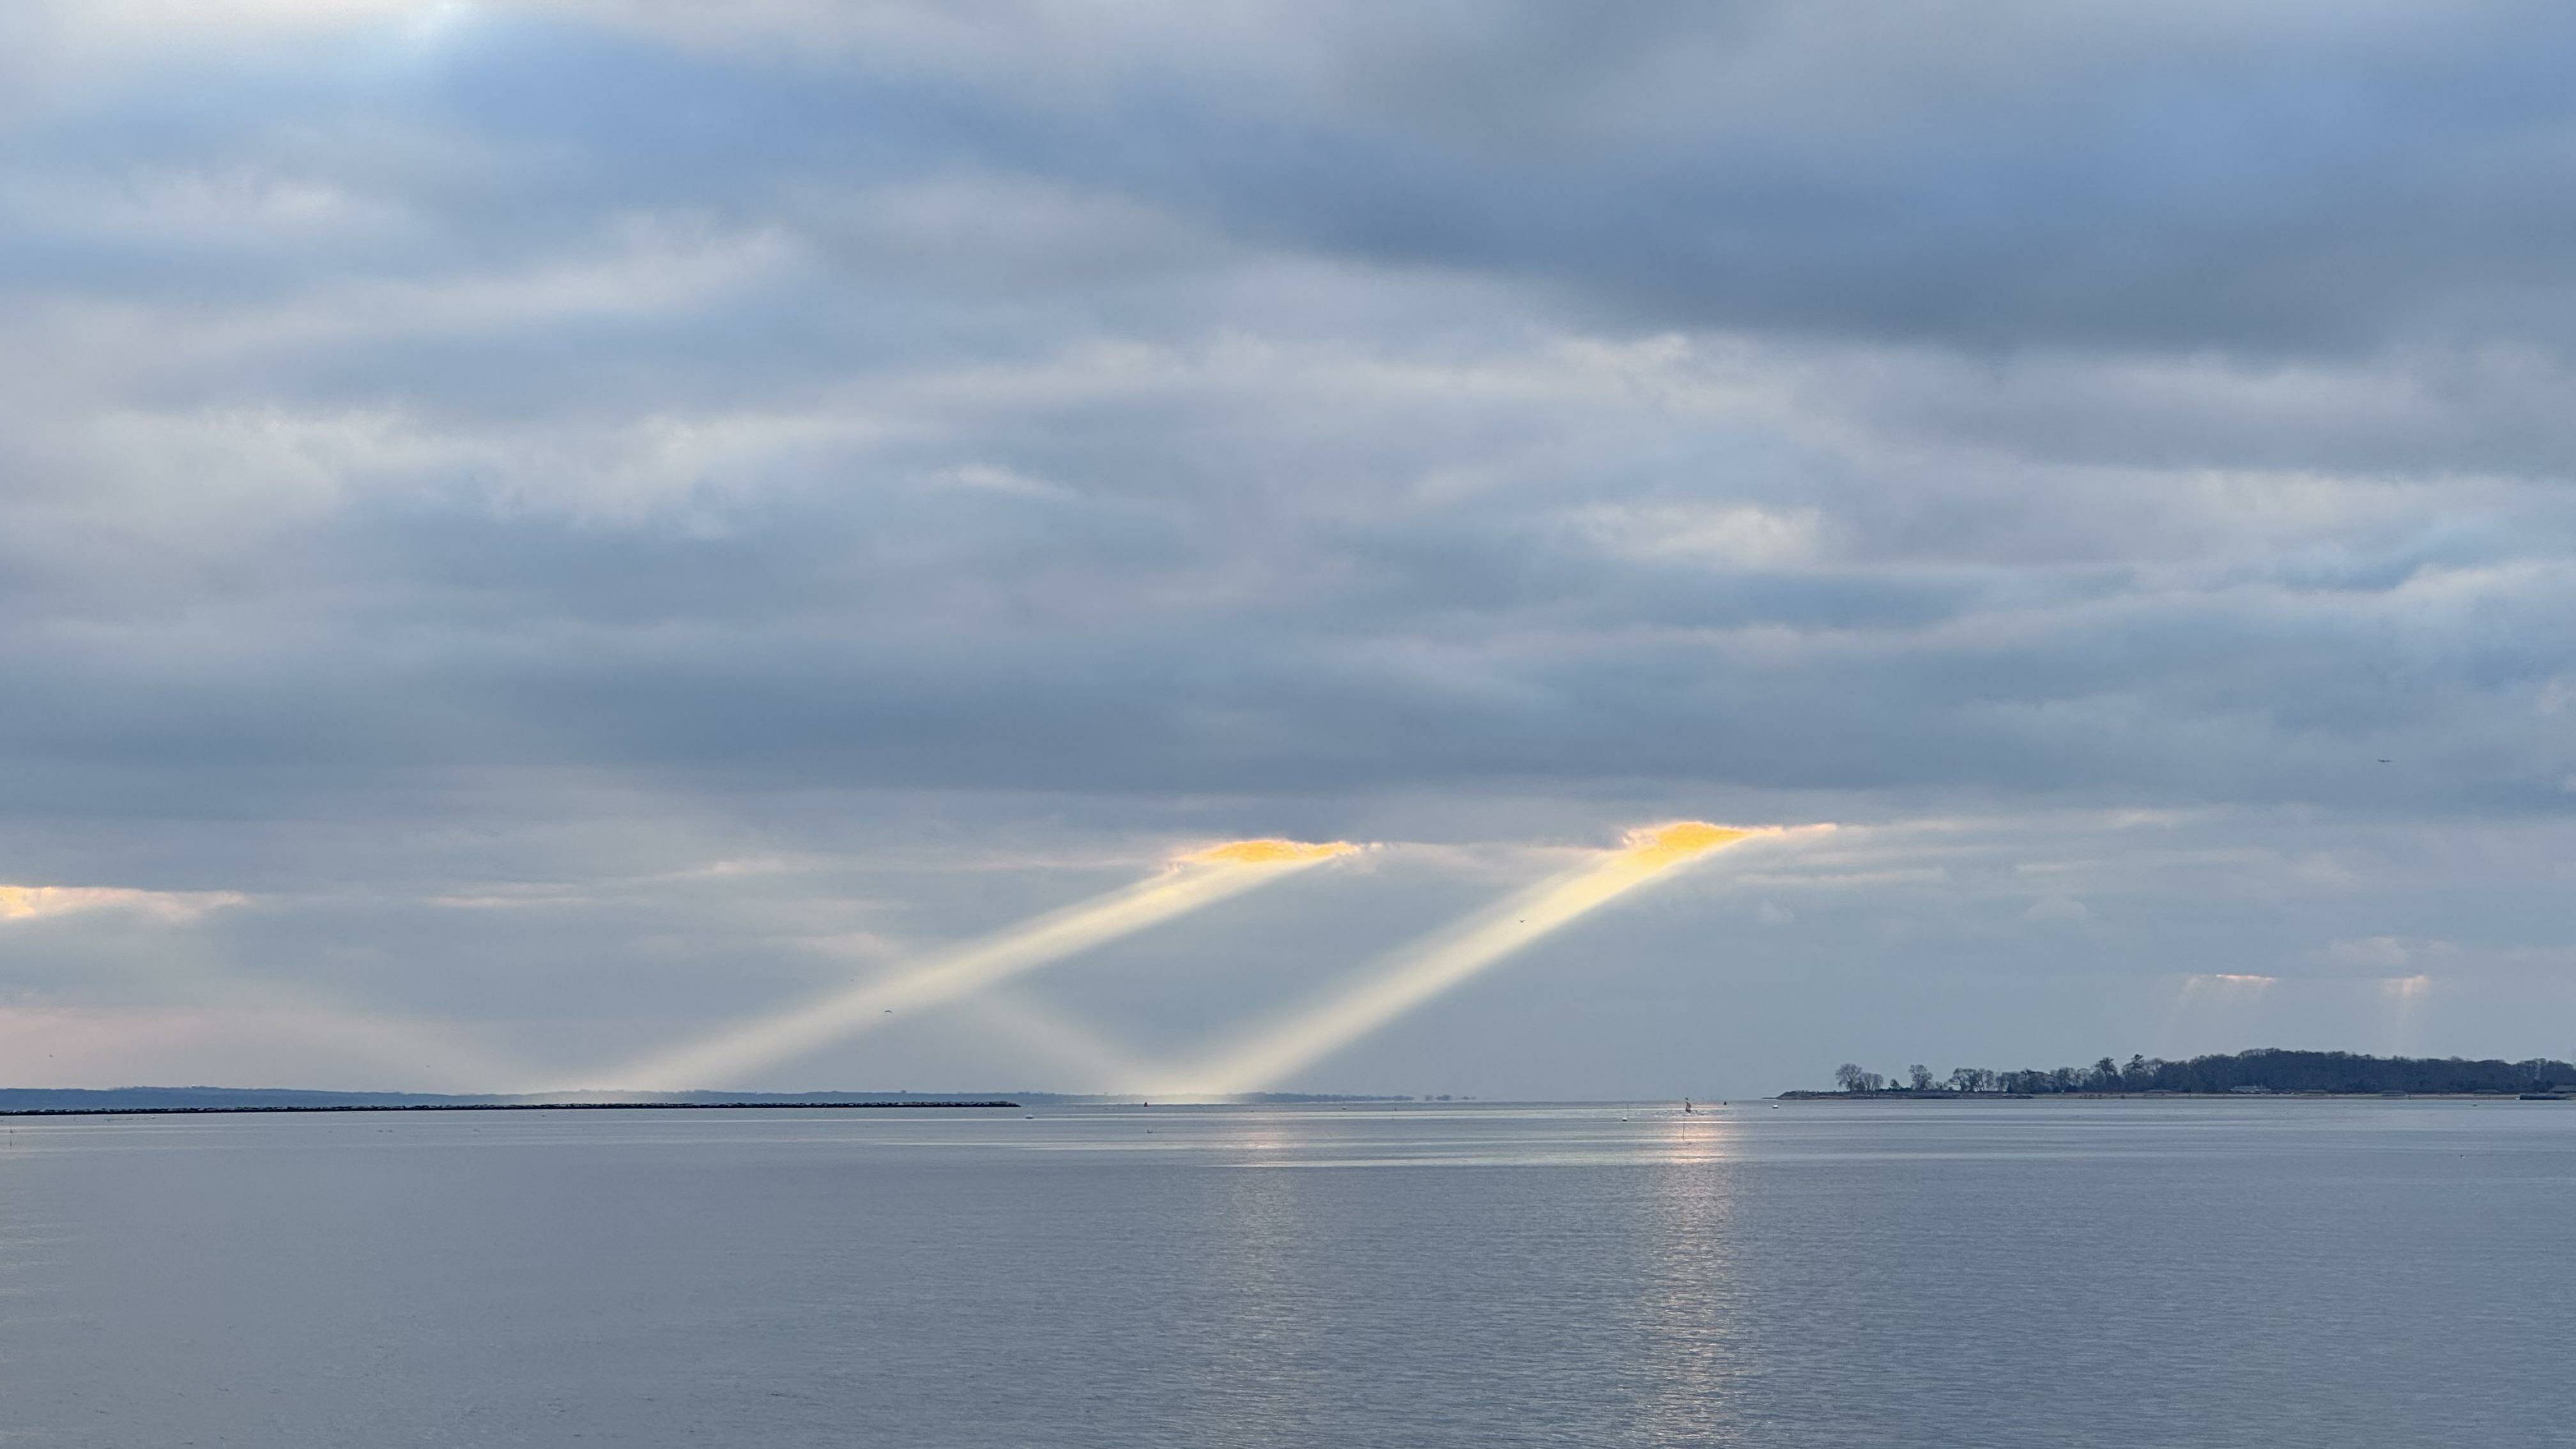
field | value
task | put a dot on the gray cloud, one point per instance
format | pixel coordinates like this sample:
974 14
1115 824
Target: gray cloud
458 464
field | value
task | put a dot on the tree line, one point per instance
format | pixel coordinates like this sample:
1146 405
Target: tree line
2266 1069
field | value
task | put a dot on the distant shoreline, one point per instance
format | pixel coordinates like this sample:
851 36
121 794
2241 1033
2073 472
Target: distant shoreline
2257 1072
1905 1096
481 1107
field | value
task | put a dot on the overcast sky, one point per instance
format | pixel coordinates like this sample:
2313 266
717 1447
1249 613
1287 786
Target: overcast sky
528 532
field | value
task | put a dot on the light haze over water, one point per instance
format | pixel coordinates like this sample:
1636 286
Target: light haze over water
2114 1273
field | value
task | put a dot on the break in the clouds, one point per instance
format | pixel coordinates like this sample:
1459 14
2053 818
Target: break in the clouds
579 523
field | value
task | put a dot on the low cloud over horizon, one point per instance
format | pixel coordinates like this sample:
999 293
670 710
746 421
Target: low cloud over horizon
530 532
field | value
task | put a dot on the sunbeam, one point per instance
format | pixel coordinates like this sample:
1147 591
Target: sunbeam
1193 882
1448 957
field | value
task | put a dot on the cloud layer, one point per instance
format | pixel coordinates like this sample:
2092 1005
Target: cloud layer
466 470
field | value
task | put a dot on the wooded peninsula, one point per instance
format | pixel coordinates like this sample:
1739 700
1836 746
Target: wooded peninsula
2266 1070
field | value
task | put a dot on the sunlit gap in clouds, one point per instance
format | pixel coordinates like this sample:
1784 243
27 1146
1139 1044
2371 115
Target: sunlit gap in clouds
1193 881
2229 984
35 902
2211 1002
1415 974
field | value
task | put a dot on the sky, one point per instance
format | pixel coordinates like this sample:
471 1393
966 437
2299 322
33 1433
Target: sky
533 534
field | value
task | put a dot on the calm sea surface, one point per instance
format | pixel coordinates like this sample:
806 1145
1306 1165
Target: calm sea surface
2112 1273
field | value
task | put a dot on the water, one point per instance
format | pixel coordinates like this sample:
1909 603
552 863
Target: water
2049 1273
